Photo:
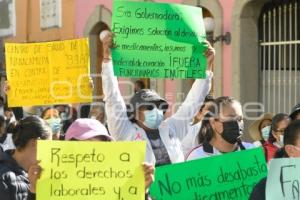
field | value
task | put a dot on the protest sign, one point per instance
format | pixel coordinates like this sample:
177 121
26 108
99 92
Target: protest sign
283 182
91 170
230 176
158 40
48 73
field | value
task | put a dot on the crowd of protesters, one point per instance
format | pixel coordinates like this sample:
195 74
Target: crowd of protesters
202 126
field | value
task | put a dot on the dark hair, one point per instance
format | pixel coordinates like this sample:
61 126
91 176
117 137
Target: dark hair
206 131
2 121
293 116
31 127
130 113
140 83
274 126
85 110
11 126
44 112
208 98
295 111
2 100
291 135
18 112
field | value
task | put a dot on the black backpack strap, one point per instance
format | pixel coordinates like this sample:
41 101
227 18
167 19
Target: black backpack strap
242 147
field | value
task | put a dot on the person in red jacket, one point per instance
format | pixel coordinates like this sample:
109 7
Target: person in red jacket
275 140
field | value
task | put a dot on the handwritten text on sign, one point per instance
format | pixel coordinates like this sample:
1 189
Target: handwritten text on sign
283 180
158 40
231 176
91 170
48 73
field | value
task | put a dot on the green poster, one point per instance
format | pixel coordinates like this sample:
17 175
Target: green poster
227 177
283 181
158 40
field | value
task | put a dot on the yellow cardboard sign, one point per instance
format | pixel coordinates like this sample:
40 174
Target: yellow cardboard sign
78 170
48 73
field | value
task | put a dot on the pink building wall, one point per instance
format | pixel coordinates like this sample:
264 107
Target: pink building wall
84 9
227 6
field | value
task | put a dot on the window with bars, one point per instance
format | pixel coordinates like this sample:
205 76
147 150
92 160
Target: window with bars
279 41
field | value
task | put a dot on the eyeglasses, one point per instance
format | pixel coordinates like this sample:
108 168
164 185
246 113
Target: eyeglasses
148 107
280 131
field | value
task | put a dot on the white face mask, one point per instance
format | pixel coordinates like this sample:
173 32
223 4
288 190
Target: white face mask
281 140
265 132
153 118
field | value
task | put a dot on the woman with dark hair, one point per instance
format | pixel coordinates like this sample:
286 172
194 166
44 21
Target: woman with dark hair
190 141
291 148
221 130
19 168
279 123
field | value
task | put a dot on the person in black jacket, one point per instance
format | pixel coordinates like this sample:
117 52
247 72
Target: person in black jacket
19 169
291 149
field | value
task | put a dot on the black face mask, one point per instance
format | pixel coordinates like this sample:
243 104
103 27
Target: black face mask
232 131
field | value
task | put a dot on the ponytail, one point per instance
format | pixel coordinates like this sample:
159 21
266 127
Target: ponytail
206 131
31 127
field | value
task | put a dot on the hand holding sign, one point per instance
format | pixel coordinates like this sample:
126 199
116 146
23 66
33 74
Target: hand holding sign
96 170
210 55
6 87
34 174
149 174
230 176
48 73
283 180
107 40
158 40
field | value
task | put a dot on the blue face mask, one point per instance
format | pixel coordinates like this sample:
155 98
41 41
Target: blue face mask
265 132
55 124
153 118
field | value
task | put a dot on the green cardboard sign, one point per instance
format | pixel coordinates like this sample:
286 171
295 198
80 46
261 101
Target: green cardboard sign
158 40
230 176
283 182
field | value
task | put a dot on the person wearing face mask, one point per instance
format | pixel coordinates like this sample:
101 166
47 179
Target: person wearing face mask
290 149
147 110
275 141
221 130
51 116
259 130
92 130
